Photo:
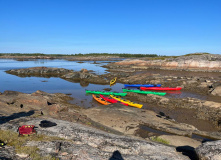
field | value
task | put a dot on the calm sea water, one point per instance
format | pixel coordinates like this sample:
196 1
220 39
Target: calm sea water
58 85
52 85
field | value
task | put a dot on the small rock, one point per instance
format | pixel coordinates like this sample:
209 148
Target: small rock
22 155
57 147
191 81
207 81
203 85
216 91
84 70
107 89
64 154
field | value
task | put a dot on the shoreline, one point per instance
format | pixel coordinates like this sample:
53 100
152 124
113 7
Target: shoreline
122 120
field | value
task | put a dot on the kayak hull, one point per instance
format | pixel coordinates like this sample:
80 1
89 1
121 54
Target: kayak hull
142 85
105 93
144 92
160 89
111 100
100 100
127 102
113 81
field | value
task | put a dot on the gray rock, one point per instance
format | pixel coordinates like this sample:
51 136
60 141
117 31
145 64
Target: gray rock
209 150
216 91
216 84
94 144
8 153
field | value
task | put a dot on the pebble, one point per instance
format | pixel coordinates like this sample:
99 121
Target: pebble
22 155
64 153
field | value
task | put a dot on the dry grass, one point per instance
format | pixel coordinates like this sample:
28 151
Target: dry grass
160 140
12 139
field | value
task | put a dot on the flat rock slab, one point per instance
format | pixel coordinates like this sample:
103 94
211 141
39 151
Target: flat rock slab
95 144
180 141
127 119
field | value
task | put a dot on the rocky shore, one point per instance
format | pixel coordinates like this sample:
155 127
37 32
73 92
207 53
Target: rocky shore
83 139
116 131
205 63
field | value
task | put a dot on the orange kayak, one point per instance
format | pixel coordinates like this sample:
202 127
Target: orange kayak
100 100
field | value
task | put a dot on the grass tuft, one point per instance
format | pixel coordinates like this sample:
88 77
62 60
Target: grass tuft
160 140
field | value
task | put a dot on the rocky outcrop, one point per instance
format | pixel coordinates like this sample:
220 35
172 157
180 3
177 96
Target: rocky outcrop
208 63
70 75
15 104
34 71
85 76
88 143
209 150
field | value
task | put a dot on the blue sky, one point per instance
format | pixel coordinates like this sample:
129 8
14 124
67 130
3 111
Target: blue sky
163 27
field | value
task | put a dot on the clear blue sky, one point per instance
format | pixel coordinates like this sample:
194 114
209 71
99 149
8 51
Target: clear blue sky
163 27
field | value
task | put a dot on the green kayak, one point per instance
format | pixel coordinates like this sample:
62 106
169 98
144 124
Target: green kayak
106 93
144 92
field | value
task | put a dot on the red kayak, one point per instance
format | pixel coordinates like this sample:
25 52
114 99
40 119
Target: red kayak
111 100
160 89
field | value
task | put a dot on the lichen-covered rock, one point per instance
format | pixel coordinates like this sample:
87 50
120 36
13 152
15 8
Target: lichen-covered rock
94 144
209 150
8 153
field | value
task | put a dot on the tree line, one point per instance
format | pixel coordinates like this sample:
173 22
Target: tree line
80 54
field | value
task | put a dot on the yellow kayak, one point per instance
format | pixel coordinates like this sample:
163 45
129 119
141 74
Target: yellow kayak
113 81
127 102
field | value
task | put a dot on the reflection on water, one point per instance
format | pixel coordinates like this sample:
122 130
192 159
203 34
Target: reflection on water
7 64
53 84
40 62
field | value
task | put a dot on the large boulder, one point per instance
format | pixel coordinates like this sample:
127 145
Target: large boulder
209 150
